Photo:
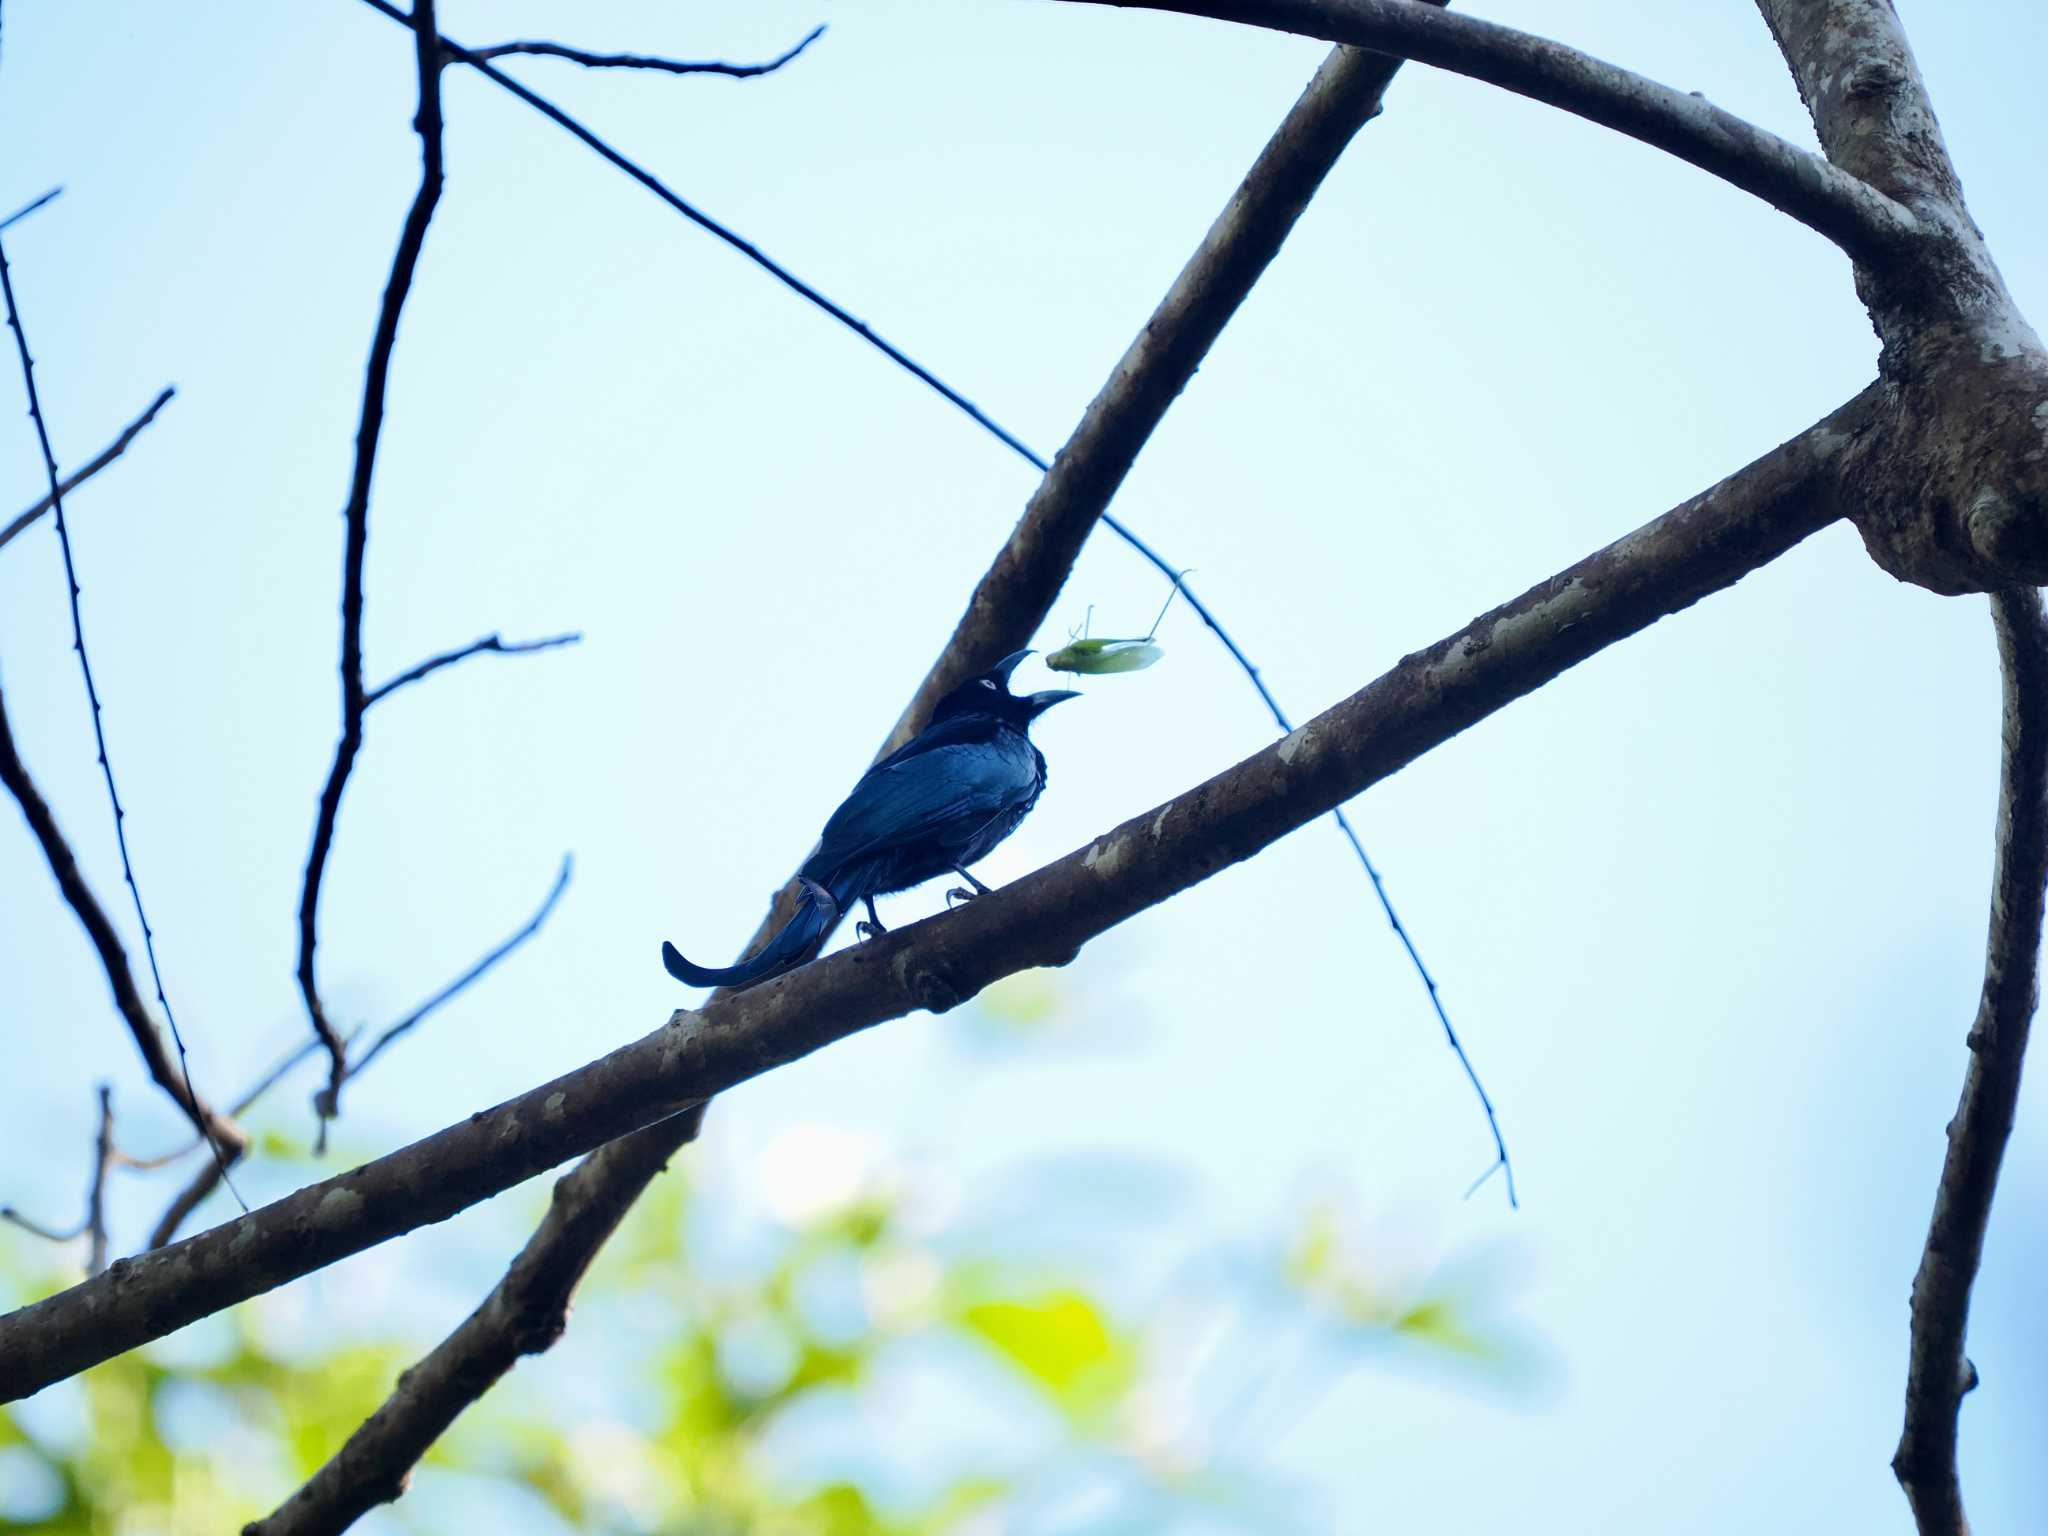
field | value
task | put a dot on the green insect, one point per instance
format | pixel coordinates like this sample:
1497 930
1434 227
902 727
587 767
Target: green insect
1107 655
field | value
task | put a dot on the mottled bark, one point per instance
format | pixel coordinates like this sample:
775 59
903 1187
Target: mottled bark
1938 1373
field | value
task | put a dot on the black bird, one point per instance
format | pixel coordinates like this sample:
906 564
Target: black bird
935 805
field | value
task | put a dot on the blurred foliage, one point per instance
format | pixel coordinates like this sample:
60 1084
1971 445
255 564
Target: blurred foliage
712 1386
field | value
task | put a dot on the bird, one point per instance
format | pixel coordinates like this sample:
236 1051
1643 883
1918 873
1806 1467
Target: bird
935 805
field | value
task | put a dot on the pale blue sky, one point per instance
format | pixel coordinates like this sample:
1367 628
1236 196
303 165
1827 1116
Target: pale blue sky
1709 912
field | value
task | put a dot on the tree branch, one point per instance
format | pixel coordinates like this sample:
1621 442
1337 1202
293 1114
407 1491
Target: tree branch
1865 223
1938 1373
529 1308
93 1224
643 61
354 700
468 978
1705 544
491 643
223 1134
30 207
1856 74
1870 109
78 477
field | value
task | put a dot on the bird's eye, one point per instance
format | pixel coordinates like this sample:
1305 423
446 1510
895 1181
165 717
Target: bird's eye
986 683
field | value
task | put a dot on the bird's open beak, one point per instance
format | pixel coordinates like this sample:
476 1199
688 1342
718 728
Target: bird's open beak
1041 702
1009 664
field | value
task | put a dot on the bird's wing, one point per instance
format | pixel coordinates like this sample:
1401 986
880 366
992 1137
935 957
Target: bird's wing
907 800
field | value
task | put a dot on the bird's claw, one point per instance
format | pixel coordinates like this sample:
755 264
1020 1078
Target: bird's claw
866 930
959 893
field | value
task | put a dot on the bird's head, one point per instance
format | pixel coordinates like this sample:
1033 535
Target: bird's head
988 693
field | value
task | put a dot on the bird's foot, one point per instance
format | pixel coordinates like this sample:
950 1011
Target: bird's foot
866 930
959 893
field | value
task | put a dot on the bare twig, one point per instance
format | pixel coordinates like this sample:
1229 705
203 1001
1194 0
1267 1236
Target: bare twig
1700 547
93 466
190 1099
1863 221
222 1134
642 61
93 1224
943 677
15 1217
28 208
354 699
1939 1373
1501 1163
475 648
204 1181
202 1184
469 977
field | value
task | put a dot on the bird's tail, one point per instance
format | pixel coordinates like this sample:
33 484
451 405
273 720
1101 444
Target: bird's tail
817 910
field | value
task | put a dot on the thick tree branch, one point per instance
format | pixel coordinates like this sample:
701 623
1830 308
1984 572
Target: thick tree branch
491 643
224 1134
525 1313
1939 1373
643 61
354 699
1953 496
1705 544
1865 223
79 476
1871 111
1856 74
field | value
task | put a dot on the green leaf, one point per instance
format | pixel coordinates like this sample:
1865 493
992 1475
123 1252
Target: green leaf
1063 1344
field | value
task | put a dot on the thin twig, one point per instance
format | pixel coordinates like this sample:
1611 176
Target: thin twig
469 977
282 1068
354 700
26 209
475 647
93 1224
16 1218
1938 1372
93 466
221 1134
35 410
275 1074
203 1182
1869 226
1501 1163
941 679
643 61
104 1155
